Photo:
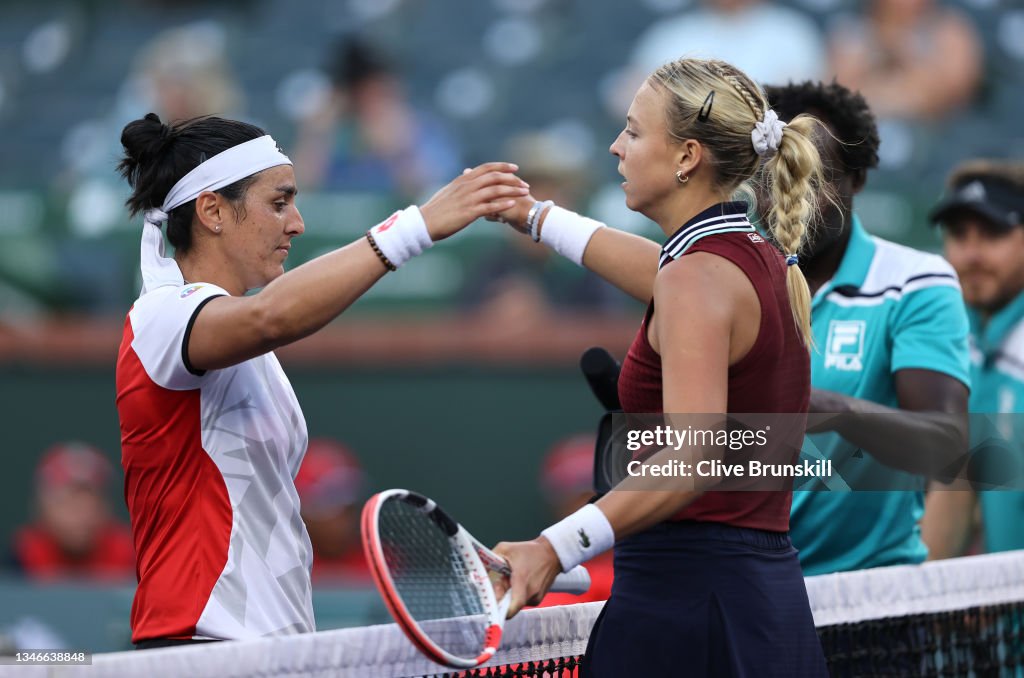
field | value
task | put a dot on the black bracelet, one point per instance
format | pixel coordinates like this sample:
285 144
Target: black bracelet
376 249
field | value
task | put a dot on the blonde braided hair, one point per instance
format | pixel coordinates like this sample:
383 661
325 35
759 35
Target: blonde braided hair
792 174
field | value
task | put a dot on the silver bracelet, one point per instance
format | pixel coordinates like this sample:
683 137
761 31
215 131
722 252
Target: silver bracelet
533 218
530 216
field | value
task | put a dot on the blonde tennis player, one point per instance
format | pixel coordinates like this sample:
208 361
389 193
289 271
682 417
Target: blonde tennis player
707 583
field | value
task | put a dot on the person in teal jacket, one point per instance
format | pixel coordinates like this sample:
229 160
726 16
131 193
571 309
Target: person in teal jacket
982 223
891 360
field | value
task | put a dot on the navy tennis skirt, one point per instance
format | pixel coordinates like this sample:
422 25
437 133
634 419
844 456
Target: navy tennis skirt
705 599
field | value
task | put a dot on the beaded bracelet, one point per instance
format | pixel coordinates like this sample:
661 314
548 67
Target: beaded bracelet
376 249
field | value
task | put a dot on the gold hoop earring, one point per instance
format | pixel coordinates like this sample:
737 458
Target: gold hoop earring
681 178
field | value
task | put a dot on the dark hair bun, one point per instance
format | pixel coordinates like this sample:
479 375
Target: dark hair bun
146 139
157 156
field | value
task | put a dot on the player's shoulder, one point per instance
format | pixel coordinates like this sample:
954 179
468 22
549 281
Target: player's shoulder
174 304
683 283
906 269
182 294
693 267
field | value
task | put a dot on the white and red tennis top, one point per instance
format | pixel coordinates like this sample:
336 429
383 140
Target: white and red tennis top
210 460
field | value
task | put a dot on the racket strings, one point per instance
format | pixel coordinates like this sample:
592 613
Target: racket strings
431 579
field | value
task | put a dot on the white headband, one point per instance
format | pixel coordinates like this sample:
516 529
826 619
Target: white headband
223 169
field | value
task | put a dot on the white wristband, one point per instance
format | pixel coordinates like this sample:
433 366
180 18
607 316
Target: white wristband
581 536
402 236
568 233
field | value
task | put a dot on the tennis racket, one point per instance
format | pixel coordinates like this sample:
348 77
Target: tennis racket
438 581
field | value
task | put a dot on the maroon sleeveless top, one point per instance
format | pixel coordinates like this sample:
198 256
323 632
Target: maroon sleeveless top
774 377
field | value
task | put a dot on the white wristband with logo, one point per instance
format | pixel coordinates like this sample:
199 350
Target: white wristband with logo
568 233
402 236
581 536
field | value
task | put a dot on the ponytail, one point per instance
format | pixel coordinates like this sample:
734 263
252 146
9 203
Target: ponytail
793 174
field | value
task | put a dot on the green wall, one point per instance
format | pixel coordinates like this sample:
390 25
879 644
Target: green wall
470 437
95 618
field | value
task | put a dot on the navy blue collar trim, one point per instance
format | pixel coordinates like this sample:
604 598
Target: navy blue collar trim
726 217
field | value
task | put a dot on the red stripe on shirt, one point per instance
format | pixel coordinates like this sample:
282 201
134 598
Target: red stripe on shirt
177 499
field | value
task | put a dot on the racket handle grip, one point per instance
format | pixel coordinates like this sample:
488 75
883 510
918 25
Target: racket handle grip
576 581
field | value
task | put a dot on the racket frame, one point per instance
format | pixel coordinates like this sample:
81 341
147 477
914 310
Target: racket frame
475 557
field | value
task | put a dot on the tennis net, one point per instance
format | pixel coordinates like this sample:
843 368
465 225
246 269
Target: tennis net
960 617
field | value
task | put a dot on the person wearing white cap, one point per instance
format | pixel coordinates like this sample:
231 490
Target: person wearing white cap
211 432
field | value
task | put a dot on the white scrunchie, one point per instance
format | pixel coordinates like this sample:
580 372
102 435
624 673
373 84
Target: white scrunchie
767 134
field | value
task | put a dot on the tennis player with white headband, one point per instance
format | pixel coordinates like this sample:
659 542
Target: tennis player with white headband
211 432
707 582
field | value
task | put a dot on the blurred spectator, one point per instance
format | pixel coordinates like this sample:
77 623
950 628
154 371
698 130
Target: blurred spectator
369 137
524 284
768 42
982 222
74 534
911 59
183 73
331 485
567 479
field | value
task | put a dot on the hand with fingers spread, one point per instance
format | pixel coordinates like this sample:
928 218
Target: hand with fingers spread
487 189
534 567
